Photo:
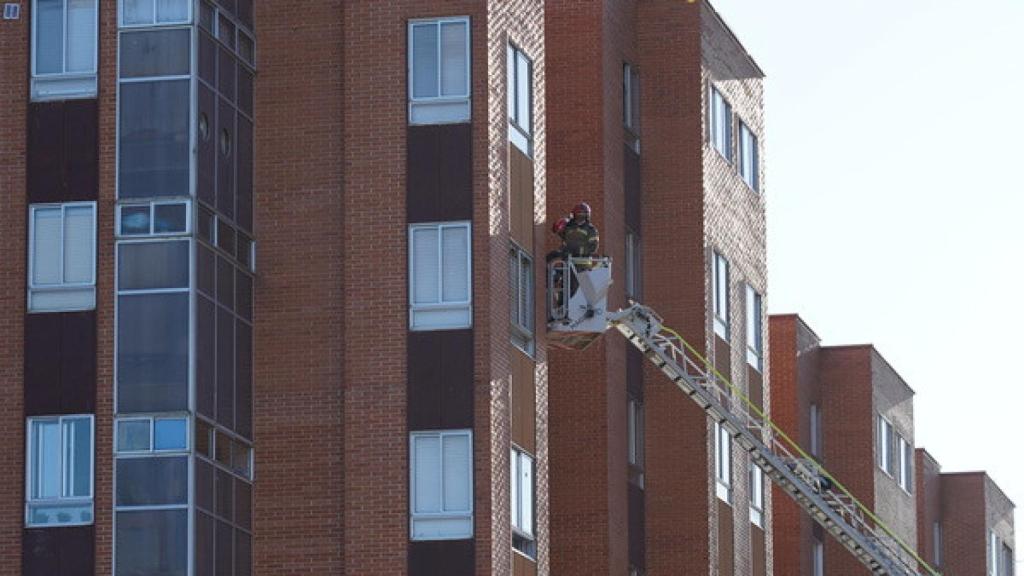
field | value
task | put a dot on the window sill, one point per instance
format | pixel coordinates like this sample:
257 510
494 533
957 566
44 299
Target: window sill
63 87
721 328
439 111
723 492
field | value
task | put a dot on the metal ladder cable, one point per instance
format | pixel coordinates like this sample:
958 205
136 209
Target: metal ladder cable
843 514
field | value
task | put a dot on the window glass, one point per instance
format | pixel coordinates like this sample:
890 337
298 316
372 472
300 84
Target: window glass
453 59
78 244
152 481
204 542
243 504
170 434
225 368
172 10
46 246
133 435
152 357
137 12
46 449
152 542
523 96
424 265
152 265
224 495
721 295
134 220
62 257
424 57
60 474
155 53
206 15
170 218
204 485
81 42
754 328
206 357
243 379
442 481
49 46
77 457
454 263
154 148
224 544
440 280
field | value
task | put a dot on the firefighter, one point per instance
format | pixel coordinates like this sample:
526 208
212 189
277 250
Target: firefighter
580 236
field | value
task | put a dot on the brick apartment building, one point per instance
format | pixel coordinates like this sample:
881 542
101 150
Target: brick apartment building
655 112
852 412
964 521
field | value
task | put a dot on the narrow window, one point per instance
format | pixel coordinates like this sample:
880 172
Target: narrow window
818 559
635 440
723 463
522 493
993 554
521 299
439 276
756 494
631 104
749 163
63 49
905 455
439 71
720 281
755 338
519 69
441 485
62 257
60 471
720 124
155 12
886 456
1007 560
815 431
937 543
633 265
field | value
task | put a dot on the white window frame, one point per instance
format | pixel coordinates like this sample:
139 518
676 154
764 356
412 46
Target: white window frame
755 328
467 514
440 109
723 463
519 492
904 468
818 558
518 134
720 294
885 448
756 494
152 218
993 553
630 117
151 422
937 543
467 305
720 124
30 475
63 85
522 320
60 286
815 421
635 418
155 22
749 160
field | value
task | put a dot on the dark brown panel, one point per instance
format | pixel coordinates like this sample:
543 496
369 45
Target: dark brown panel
631 177
755 383
635 372
440 390
726 546
442 558
63 159
524 409
523 566
723 357
439 162
521 197
58 551
759 560
637 531
60 363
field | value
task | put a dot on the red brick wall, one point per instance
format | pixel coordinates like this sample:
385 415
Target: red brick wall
929 502
964 523
14 43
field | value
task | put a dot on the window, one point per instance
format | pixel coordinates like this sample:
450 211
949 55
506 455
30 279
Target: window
522 490
62 257
905 454
756 494
155 12
993 554
720 124
631 104
634 272
63 49
439 276
815 431
520 99
153 219
1007 561
520 273
60 471
755 338
441 485
144 435
818 559
635 440
723 463
886 461
154 149
749 163
720 281
439 71
937 544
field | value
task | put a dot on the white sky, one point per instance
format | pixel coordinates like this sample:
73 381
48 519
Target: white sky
894 131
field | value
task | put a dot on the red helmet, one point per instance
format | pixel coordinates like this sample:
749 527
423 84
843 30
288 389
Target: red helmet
581 208
559 225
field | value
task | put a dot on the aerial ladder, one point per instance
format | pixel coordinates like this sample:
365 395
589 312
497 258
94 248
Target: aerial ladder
578 315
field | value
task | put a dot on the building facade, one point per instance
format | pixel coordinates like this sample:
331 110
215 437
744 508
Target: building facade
853 413
654 118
